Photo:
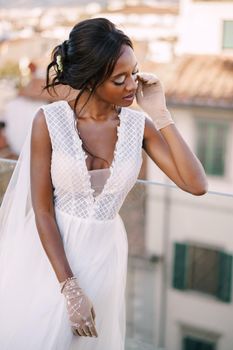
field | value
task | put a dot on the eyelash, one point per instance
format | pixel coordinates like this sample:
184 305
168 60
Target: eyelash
118 84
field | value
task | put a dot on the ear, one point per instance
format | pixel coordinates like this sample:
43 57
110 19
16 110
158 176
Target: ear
90 85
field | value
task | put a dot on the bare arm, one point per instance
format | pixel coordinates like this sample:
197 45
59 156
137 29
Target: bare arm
170 152
42 198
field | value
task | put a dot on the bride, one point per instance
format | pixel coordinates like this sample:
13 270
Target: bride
63 244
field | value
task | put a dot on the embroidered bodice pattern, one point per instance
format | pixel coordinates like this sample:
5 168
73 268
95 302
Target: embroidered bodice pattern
73 193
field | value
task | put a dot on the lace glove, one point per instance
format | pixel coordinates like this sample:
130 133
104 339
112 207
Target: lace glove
150 97
79 307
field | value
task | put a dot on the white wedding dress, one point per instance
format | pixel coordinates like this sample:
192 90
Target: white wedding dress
33 313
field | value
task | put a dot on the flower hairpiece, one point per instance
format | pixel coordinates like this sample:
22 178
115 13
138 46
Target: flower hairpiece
59 63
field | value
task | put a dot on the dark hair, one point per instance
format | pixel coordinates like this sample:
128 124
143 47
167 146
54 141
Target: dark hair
88 57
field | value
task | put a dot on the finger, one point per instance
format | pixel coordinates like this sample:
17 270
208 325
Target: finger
152 81
74 328
141 79
93 330
148 78
81 332
139 89
147 75
91 325
90 328
149 81
93 313
144 76
76 332
87 331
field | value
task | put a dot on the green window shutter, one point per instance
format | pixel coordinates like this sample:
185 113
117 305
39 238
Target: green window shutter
225 277
190 343
211 145
180 265
228 34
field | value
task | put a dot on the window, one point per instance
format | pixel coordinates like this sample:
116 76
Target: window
203 270
190 343
211 145
227 42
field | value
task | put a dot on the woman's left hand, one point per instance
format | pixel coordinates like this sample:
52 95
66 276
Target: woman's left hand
150 97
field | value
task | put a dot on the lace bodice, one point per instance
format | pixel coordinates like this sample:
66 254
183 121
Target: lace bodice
74 192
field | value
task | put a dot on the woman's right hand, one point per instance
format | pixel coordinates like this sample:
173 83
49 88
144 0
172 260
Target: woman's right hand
80 309
151 99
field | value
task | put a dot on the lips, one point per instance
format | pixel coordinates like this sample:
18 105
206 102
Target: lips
129 96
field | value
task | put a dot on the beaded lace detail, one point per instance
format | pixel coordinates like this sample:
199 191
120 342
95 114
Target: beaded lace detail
73 193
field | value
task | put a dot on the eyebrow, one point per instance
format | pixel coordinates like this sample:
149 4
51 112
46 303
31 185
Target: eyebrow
123 73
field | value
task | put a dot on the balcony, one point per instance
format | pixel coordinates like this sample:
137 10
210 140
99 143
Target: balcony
179 285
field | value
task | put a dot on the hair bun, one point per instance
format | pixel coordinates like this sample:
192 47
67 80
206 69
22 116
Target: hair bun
64 46
88 57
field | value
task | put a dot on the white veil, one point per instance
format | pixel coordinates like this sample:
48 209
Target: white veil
17 199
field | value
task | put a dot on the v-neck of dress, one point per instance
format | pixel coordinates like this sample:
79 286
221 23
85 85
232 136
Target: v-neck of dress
84 155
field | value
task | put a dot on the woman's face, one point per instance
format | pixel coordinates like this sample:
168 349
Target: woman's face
120 88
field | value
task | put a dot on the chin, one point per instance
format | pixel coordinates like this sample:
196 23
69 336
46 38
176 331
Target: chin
127 103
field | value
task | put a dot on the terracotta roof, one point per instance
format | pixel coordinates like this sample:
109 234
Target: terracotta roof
34 91
197 80
202 80
144 9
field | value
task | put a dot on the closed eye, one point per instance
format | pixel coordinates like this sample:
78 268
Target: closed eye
121 83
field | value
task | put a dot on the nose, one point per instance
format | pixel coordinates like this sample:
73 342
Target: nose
132 84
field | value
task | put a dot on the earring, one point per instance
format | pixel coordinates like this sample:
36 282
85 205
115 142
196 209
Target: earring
90 89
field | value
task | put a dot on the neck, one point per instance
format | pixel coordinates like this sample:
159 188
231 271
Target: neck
95 108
